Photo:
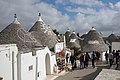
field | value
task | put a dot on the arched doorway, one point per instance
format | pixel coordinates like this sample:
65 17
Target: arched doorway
47 64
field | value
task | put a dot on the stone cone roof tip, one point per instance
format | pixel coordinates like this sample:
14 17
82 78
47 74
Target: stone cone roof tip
73 32
15 21
39 25
93 28
113 32
68 30
86 32
40 19
73 36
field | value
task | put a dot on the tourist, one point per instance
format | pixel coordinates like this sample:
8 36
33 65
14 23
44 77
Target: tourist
75 64
87 58
117 56
110 59
114 56
118 61
67 57
93 57
97 55
106 57
81 61
72 59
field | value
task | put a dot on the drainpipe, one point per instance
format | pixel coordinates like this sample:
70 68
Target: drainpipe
36 73
13 74
19 65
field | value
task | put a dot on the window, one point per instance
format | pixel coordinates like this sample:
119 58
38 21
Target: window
30 67
38 74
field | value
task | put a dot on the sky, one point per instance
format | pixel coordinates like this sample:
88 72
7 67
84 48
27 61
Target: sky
77 15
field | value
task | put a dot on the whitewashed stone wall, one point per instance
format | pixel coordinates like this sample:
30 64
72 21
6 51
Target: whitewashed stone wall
8 61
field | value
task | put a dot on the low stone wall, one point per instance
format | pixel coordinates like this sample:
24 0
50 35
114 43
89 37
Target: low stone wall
108 74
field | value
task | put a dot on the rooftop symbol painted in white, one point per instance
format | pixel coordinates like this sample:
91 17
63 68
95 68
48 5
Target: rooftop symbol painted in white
72 40
93 42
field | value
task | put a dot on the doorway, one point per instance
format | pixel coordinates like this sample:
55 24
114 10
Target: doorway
47 64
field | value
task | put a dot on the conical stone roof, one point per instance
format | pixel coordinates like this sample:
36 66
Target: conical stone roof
14 33
43 33
94 42
74 41
112 38
39 25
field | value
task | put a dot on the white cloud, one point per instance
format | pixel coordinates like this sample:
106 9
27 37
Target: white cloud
82 10
59 1
27 12
111 5
89 2
117 5
105 20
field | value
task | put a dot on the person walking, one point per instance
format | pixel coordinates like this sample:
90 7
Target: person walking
114 57
72 59
93 57
87 58
117 56
110 59
106 57
81 61
67 57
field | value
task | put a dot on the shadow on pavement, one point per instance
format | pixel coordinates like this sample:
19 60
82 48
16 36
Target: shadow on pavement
93 75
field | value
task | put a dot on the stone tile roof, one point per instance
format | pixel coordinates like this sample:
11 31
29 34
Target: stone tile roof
14 33
112 38
43 34
94 42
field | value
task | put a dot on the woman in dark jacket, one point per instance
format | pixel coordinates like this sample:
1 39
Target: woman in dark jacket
87 58
82 61
93 57
72 59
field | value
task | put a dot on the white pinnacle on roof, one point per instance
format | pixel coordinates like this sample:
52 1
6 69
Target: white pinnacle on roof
113 32
86 32
93 28
15 21
73 32
68 30
40 19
